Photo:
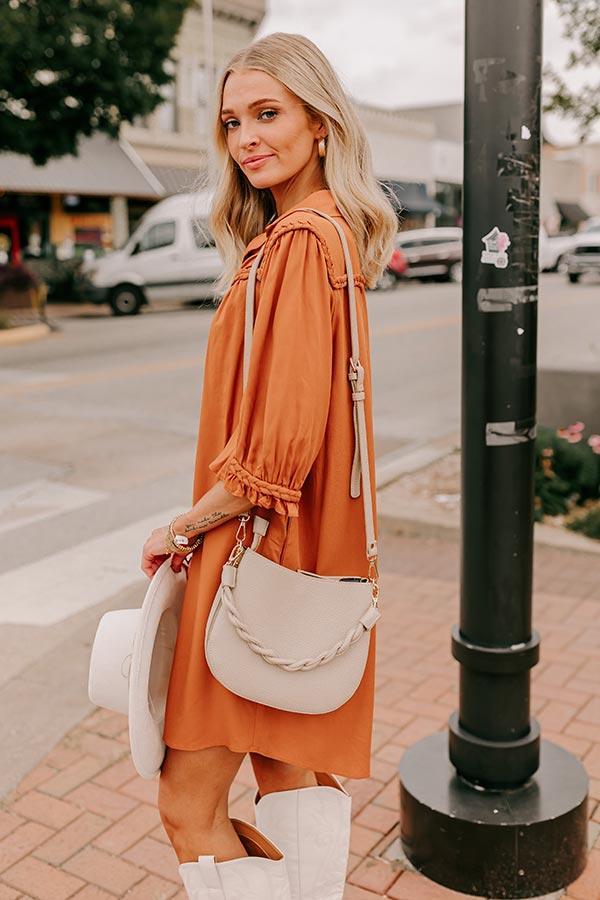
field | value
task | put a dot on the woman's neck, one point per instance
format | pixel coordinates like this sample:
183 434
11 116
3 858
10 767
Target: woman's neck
290 193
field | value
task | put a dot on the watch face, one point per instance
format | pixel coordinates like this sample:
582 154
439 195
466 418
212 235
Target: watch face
181 540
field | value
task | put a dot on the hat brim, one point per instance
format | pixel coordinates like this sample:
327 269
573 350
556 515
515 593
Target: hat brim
152 657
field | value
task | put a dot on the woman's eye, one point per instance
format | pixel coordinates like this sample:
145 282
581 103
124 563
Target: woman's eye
270 112
229 122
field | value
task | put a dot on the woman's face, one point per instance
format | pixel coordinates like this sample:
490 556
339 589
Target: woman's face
269 132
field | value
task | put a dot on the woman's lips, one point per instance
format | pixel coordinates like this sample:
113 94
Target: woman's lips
256 163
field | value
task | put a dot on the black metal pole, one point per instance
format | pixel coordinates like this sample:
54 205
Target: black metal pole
493 741
491 809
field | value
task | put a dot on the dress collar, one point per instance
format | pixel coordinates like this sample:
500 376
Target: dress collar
322 200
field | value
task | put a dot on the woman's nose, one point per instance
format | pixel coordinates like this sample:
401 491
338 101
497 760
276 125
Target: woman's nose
248 138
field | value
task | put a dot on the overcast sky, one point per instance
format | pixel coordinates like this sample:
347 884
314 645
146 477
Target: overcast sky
405 53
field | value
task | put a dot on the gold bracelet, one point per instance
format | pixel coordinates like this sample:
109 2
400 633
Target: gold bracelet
178 543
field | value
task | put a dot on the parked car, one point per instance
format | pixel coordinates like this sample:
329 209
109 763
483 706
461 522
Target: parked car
170 256
432 253
553 251
394 271
591 224
585 256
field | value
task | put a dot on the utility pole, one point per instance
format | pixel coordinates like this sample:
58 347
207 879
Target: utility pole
490 808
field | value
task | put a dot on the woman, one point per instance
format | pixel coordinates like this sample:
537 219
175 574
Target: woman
289 138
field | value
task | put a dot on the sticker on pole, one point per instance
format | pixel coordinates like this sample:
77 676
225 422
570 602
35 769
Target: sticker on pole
496 244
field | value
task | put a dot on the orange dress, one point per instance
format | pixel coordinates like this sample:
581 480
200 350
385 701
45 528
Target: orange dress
287 447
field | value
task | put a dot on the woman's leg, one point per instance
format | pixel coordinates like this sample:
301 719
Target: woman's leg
274 775
193 803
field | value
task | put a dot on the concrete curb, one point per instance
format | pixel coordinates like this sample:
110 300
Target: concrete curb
416 523
22 333
420 519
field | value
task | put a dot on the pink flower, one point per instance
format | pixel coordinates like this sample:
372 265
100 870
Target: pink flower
594 442
572 433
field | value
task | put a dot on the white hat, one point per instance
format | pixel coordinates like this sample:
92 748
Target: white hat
130 665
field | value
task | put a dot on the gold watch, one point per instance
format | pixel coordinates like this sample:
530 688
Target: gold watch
180 543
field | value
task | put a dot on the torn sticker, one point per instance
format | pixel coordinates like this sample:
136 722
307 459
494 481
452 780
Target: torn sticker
496 244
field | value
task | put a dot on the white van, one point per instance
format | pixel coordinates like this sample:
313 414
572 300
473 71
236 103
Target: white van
170 256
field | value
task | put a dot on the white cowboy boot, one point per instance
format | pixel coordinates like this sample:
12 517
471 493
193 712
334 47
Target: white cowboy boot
312 828
261 875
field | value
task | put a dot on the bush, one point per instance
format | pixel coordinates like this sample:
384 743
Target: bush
16 277
588 524
567 470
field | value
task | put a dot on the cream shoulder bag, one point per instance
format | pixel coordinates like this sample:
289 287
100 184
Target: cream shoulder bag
287 638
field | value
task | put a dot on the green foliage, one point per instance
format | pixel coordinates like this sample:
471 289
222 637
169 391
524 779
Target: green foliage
567 471
72 67
582 27
588 524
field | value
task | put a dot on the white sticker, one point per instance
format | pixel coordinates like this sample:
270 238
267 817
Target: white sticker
496 244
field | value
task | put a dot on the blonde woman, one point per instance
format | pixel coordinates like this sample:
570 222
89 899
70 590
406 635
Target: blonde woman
288 138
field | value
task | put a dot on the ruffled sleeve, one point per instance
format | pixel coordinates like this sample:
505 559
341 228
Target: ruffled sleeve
283 414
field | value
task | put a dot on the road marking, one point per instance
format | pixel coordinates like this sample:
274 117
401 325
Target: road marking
26 376
58 586
186 362
34 501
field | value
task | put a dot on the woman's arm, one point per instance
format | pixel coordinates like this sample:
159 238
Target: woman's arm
217 505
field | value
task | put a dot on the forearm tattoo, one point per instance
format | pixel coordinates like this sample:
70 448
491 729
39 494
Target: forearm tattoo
206 521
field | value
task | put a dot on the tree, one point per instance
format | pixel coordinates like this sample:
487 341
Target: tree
582 25
72 67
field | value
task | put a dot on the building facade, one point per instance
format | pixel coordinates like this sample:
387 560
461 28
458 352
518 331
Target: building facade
569 176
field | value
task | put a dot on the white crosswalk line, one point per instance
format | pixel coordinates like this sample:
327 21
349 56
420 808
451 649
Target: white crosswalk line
56 587
32 501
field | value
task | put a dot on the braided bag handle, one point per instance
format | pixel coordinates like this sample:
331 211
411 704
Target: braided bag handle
270 656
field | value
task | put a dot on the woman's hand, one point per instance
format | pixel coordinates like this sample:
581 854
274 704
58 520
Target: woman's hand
154 553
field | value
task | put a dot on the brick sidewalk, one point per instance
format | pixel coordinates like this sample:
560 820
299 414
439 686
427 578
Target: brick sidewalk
83 825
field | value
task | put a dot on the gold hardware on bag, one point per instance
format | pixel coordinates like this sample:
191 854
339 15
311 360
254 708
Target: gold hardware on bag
240 536
373 577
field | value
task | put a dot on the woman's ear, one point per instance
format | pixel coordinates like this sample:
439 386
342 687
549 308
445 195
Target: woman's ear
319 128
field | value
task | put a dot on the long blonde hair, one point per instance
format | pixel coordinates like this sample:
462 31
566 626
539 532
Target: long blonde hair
240 211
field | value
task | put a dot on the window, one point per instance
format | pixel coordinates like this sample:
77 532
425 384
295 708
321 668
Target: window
202 236
159 235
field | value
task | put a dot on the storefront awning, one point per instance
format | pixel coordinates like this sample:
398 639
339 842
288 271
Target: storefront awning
572 212
176 179
103 167
413 198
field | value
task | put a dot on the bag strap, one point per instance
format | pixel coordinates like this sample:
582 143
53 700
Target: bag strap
356 375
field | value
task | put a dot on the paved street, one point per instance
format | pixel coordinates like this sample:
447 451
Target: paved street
99 430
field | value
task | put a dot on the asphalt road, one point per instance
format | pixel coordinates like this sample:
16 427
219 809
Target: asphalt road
99 426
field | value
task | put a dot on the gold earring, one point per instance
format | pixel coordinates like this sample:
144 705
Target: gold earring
322 148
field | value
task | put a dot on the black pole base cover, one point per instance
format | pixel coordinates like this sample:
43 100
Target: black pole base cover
511 843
